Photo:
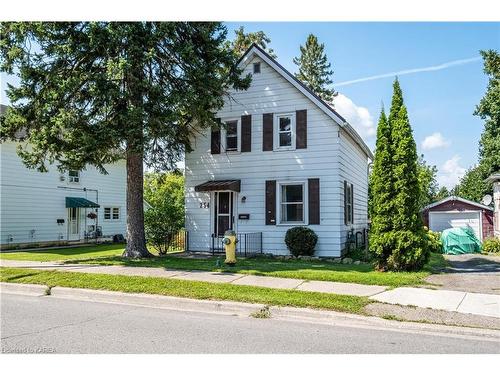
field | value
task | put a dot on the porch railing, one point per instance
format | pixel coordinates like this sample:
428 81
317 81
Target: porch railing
248 244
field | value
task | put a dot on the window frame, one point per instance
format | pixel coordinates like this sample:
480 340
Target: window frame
71 179
349 203
111 213
256 64
224 135
305 203
277 132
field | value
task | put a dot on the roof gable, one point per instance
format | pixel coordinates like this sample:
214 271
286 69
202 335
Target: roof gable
320 103
455 198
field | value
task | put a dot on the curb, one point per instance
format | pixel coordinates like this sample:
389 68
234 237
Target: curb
242 309
156 301
25 289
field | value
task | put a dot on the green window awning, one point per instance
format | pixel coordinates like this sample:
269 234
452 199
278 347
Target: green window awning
72 202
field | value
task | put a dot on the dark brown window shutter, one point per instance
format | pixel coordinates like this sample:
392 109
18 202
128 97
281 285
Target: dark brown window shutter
345 202
246 133
301 124
313 193
215 138
271 202
267 132
352 204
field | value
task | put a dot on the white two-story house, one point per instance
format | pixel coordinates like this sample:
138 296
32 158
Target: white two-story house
282 157
53 208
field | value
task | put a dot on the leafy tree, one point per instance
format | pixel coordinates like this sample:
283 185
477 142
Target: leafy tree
314 68
165 218
91 93
442 193
243 41
427 182
397 236
472 185
489 110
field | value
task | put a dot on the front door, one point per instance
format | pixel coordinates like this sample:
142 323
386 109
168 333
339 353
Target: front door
73 223
223 211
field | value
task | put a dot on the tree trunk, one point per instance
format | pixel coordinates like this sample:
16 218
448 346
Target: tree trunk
136 239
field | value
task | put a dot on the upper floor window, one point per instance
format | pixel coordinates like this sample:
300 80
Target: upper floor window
74 176
285 131
256 67
292 203
232 135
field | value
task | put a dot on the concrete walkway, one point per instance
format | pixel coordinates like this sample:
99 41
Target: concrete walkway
459 301
213 277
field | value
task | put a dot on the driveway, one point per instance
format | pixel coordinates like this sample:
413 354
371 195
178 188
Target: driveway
475 273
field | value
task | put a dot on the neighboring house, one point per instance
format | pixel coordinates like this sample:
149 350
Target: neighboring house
455 212
52 208
282 158
495 180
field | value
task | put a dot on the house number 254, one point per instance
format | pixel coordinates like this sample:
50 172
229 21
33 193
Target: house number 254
204 205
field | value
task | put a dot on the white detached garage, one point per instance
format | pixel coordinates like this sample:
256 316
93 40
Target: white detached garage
456 212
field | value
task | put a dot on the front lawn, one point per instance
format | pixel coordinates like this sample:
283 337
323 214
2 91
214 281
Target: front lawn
301 269
186 289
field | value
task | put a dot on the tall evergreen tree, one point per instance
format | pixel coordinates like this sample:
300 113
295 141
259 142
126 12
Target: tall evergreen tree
382 192
91 93
314 68
397 236
243 41
489 110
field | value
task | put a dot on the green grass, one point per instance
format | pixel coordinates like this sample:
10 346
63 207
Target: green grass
186 289
69 253
300 269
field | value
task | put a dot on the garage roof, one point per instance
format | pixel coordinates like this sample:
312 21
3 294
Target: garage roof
455 198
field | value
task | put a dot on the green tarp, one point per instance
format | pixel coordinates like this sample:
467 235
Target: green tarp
80 202
460 241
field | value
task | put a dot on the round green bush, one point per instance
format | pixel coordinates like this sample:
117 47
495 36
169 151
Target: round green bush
301 241
434 240
491 245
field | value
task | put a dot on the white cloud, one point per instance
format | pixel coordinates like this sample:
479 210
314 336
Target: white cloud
435 140
432 68
359 117
450 172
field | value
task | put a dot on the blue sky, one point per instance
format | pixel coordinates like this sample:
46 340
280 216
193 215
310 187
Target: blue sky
439 101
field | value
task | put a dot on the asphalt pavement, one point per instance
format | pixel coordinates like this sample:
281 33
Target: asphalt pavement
46 324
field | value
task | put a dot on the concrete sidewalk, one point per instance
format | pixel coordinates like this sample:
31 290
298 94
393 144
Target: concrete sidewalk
463 302
213 277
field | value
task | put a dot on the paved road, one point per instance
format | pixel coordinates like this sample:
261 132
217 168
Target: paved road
470 273
48 324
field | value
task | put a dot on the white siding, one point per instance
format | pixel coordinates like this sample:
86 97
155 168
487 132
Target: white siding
32 200
270 92
353 169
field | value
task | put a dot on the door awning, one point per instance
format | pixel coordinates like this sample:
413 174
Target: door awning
72 202
231 185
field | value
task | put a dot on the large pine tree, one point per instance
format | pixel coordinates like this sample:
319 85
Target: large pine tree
91 93
397 237
314 68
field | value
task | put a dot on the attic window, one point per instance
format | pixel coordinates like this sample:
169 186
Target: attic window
256 67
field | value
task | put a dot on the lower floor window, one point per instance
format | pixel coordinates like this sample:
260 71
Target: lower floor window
292 203
111 213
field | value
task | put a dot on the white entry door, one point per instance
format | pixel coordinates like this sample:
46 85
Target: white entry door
73 223
439 221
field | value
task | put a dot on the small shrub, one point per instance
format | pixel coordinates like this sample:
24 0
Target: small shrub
491 245
434 240
301 241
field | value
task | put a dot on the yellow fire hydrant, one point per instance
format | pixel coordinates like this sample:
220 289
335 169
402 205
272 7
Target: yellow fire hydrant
230 242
